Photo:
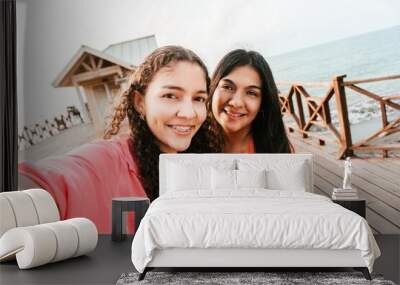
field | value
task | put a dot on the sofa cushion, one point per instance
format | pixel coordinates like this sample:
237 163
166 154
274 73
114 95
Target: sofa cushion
26 208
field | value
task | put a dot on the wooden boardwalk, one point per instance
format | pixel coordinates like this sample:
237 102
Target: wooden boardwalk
376 179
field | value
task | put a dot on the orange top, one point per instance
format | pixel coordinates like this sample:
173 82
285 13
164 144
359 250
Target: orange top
250 147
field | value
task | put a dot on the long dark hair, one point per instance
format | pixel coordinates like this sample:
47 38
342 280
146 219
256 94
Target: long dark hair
144 148
267 129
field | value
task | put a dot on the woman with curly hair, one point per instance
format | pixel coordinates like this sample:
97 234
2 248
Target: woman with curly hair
166 109
245 105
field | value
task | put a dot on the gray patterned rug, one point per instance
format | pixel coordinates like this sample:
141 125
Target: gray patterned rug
230 278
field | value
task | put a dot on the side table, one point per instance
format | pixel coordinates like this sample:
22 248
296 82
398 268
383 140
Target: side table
138 205
357 206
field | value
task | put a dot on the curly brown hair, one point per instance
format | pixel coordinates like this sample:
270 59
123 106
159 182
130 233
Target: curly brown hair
145 148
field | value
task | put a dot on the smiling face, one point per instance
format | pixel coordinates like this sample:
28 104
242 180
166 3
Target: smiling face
174 104
237 99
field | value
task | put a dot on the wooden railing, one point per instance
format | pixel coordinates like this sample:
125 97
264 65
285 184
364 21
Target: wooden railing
38 132
319 114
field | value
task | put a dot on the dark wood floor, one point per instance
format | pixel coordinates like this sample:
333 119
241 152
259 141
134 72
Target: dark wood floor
110 259
102 266
376 179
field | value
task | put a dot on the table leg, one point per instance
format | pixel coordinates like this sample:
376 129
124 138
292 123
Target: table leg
116 234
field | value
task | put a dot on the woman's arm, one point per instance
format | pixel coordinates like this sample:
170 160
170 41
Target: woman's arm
25 182
84 181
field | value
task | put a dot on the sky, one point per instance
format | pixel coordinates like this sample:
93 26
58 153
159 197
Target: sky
51 31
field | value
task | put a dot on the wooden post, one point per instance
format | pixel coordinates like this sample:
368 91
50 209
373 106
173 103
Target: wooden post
301 112
344 124
108 92
83 106
385 122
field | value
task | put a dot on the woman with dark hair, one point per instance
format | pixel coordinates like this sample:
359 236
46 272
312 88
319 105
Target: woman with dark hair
166 108
245 105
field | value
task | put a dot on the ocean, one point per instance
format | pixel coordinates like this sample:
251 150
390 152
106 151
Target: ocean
375 54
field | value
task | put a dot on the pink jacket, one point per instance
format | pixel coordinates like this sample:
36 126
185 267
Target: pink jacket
84 181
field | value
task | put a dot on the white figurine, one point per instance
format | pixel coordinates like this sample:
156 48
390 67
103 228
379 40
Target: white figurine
347 174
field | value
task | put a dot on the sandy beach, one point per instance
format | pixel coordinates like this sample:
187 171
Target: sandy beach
59 144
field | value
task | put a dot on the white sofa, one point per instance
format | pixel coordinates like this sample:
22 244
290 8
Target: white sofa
31 231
